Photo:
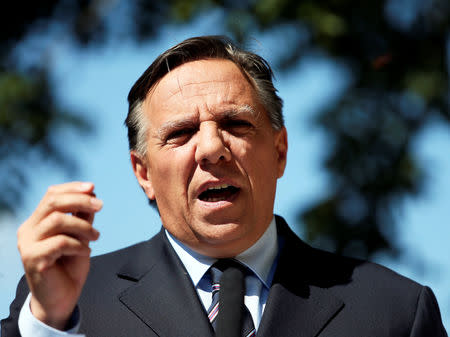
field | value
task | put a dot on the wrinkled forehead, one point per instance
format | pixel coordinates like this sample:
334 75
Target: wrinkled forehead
201 78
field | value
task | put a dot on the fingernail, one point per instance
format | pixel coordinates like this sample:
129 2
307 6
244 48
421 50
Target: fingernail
97 203
85 186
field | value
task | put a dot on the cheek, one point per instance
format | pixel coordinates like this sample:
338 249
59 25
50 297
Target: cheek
175 169
257 164
261 165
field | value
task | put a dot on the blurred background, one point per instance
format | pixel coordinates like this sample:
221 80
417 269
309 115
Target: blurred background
367 105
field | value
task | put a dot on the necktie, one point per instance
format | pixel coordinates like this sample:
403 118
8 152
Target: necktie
228 314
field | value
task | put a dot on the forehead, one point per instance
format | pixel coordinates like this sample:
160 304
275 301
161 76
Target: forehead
200 84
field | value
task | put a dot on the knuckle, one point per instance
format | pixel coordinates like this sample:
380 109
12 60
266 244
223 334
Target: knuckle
20 248
26 257
24 228
64 242
61 243
51 200
51 189
41 266
22 240
56 218
19 232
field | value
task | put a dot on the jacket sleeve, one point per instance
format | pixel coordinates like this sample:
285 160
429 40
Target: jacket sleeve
10 327
427 320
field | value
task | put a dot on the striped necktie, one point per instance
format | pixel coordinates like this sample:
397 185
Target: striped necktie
228 314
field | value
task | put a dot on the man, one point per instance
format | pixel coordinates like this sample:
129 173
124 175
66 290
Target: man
207 144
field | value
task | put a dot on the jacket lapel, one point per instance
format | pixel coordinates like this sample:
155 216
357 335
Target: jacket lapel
288 314
163 296
301 301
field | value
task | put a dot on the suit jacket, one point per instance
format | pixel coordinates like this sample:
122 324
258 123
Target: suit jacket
144 290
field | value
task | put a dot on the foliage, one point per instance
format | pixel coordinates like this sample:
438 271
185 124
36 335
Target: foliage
395 50
27 117
29 111
400 82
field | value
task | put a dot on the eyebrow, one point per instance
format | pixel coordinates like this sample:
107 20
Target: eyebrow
166 128
192 122
243 109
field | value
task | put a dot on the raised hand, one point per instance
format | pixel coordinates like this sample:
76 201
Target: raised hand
54 247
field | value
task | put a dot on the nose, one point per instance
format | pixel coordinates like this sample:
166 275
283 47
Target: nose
211 147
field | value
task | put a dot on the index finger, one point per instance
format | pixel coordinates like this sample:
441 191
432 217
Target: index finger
72 187
65 196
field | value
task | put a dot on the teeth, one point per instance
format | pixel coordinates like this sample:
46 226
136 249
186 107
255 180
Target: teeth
218 187
214 192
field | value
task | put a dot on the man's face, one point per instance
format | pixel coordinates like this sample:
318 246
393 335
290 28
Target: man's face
213 158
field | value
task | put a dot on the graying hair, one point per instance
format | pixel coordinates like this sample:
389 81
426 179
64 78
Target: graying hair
137 122
254 66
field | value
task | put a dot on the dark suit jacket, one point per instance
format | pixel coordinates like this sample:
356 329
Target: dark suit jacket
144 290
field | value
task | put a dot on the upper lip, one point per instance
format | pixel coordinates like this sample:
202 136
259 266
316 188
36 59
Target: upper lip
215 184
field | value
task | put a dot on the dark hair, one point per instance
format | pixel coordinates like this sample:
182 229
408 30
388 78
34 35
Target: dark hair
205 47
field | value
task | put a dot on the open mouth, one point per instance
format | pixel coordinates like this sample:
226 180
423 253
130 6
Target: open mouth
218 193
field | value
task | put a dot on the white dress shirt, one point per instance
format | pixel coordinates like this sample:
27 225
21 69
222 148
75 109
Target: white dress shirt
261 258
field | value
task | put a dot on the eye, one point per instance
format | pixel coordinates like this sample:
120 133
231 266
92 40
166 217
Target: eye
180 135
237 126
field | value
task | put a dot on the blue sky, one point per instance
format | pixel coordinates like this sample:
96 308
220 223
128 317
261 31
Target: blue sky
96 83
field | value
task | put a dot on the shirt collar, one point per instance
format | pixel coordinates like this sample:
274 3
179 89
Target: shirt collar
259 257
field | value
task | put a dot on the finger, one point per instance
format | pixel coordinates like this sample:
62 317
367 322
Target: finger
62 223
89 217
71 187
67 203
55 190
46 252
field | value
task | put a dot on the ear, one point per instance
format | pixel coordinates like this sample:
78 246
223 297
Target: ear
281 146
141 170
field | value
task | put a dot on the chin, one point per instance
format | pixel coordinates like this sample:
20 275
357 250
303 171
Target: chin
223 231
224 239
